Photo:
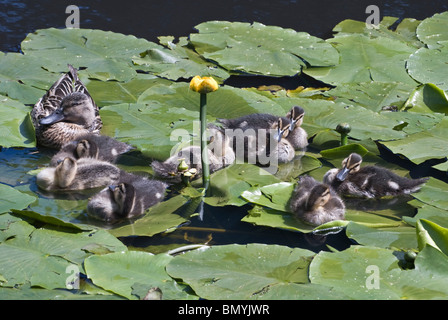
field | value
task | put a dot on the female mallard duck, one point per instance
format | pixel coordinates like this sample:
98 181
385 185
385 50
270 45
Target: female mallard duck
71 174
129 198
92 146
315 203
297 136
65 112
220 155
369 181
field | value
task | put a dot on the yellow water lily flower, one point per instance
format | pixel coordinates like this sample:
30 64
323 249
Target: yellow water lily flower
204 84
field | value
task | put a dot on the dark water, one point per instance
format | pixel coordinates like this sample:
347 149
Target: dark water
153 18
150 19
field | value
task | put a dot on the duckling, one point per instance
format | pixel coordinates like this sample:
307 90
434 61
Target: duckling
264 147
315 203
71 174
369 181
92 146
131 197
297 136
65 112
220 155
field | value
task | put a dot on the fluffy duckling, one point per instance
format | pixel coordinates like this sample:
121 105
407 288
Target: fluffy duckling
131 197
65 111
220 155
71 174
315 203
369 181
92 146
297 136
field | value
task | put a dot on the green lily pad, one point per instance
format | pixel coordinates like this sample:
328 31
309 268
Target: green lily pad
16 128
372 273
430 66
253 271
118 272
41 257
430 233
424 145
405 31
432 31
13 199
372 95
259 49
177 61
378 59
106 55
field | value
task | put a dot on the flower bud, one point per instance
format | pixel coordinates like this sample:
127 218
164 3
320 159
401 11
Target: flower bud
203 85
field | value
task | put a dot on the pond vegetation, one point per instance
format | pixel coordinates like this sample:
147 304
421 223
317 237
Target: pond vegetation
388 83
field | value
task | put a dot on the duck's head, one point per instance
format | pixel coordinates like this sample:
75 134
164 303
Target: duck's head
295 117
86 149
281 128
65 172
112 203
75 108
318 197
350 164
123 195
218 141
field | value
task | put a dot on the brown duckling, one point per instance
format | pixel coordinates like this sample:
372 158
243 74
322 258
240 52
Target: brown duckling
71 174
297 136
220 155
92 146
315 203
65 112
130 198
369 181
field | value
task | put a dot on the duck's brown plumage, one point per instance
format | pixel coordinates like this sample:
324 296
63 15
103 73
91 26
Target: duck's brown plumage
57 134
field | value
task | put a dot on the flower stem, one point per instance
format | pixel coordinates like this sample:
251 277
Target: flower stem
204 148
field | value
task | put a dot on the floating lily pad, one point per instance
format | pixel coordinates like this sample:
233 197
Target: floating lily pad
16 128
378 59
424 145
253 271
373 273
13 199
176 61
259 49
119 272
430 66
404 31
432 31
106 55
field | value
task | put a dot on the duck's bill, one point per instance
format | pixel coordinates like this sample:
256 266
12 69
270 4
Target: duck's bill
52 118
342 174
292 125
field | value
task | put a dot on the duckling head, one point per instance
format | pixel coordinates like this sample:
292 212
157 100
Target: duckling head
282 129
351 164
75 108
112 203
318 197
86 149
295 117
58 178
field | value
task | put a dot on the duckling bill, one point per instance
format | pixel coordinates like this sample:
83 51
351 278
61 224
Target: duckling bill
130 198
316 203
369 181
